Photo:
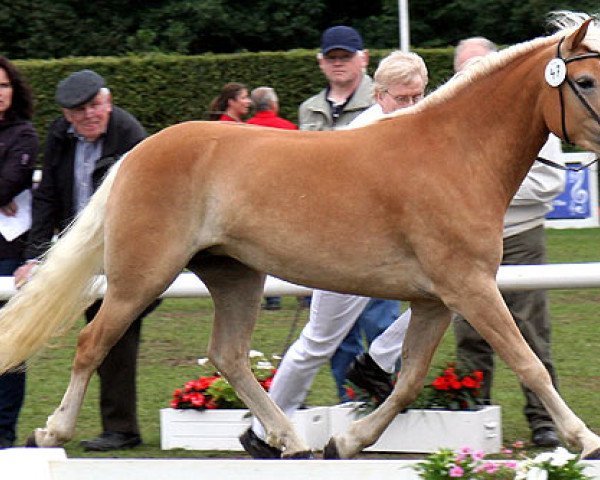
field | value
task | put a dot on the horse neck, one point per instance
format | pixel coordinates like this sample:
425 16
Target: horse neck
501 124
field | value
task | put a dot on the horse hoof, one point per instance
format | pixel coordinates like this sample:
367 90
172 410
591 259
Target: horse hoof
593 455
330 452
30 442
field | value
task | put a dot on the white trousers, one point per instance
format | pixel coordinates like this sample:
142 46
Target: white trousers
332 315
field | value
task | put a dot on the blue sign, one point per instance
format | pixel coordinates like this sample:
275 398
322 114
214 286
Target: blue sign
574 201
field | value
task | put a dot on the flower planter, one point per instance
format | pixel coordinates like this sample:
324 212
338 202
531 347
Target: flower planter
220 429
427 431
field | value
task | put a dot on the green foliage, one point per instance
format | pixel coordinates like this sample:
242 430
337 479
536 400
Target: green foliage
63 28
161 90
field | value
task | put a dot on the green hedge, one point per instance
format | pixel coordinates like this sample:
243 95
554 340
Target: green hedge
165 89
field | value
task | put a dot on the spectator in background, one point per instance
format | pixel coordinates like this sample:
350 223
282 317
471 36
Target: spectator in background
18 153
349 92
400 81
266 106
343 60
524 244
231 105
81 146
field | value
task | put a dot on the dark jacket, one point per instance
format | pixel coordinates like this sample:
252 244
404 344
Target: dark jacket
19 146
53 205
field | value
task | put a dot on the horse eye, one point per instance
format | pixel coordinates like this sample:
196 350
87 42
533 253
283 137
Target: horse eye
585 83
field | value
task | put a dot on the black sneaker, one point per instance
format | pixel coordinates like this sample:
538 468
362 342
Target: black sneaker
256 447
108 441
366 374
545 437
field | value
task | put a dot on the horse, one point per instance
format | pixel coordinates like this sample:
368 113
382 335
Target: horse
427 187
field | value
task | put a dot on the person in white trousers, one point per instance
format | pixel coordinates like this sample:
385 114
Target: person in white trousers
399 82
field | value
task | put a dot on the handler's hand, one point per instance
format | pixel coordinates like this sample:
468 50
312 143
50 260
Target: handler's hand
10 209
23 273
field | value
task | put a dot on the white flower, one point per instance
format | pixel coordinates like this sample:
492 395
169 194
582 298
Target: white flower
561 457
536 473
543 457
203 361
524 467
264 365
255 353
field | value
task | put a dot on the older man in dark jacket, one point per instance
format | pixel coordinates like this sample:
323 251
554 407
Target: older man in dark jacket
81 146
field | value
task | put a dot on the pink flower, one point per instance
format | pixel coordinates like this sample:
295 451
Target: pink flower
507 451
519 444
490 467
512 464
456 471
478 455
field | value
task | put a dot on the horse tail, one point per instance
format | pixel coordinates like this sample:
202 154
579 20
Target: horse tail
62 286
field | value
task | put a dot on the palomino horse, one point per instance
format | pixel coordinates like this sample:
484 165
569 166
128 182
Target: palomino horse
427 190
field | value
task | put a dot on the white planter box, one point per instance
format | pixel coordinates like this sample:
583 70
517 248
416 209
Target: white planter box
220 429
429 430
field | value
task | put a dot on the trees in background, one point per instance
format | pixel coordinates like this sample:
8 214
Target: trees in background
61 28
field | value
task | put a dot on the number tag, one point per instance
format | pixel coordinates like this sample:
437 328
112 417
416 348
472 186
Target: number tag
556 72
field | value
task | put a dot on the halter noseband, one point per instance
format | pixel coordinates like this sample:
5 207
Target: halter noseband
558 84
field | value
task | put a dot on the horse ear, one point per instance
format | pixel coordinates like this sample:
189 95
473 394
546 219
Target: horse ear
573 40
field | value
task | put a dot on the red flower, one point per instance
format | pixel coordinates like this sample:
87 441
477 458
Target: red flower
440 383
469 382
198 400
267 383
478 374
350 393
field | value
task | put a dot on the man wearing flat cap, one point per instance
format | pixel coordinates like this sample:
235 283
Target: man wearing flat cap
81 146
343 60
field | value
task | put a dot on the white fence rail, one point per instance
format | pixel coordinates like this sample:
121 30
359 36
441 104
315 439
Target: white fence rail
510 278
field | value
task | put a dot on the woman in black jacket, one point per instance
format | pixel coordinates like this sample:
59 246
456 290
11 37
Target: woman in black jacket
18 151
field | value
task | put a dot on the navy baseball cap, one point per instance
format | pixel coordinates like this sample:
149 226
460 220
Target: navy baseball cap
78 88
342 37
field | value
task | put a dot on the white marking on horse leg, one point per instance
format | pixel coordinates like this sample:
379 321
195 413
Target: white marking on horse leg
428 323
60 426
492 319
237 291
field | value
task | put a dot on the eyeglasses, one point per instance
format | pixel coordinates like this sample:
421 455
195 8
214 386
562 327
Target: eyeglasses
5 85
405 99
344 58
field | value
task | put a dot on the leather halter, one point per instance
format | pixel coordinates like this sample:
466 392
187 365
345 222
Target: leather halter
581 98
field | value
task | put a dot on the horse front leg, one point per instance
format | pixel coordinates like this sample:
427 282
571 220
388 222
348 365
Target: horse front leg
489 315
237 291
429 321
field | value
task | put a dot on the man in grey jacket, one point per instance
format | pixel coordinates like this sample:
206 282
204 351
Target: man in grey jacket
343 60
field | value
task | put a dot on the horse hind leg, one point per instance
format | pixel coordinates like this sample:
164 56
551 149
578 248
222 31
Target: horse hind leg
237 291
94 342
429 320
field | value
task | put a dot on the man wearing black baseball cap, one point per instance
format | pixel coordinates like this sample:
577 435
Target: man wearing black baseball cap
81 145
343 60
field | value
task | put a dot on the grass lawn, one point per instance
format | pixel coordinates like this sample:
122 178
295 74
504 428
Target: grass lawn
177 333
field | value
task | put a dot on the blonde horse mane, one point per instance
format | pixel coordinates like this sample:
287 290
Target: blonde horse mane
564 21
